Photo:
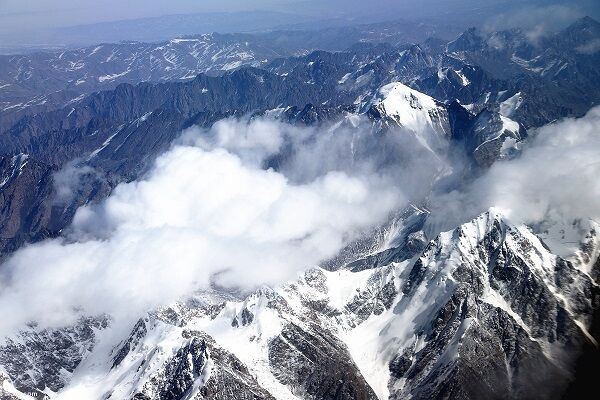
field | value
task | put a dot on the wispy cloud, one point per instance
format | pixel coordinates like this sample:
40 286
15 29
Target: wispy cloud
556 177
536 21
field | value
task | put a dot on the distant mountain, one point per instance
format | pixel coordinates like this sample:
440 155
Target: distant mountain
557 76
43 81
471 70
153 29
561 65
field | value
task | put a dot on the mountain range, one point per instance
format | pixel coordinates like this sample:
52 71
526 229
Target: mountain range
491 308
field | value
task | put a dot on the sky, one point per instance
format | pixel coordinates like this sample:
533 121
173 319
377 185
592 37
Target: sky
41 23
56 13
70 12
21 14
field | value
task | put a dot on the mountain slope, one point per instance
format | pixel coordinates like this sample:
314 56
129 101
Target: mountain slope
484 310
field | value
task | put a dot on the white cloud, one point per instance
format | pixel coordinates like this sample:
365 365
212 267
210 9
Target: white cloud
68 179
203 213
252 141
556 176
591 47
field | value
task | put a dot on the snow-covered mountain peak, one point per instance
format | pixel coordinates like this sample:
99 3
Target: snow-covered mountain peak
401 106
399 99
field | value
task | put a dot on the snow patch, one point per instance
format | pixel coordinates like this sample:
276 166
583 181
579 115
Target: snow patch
510 105
112 76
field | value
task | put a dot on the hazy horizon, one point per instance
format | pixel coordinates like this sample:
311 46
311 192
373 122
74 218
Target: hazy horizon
53 23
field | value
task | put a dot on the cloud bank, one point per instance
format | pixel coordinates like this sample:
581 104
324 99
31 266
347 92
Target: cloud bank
207 212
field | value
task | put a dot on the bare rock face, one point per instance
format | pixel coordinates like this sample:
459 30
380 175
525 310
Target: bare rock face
186 366
24 184
32 207
316 365
509 328
38 360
